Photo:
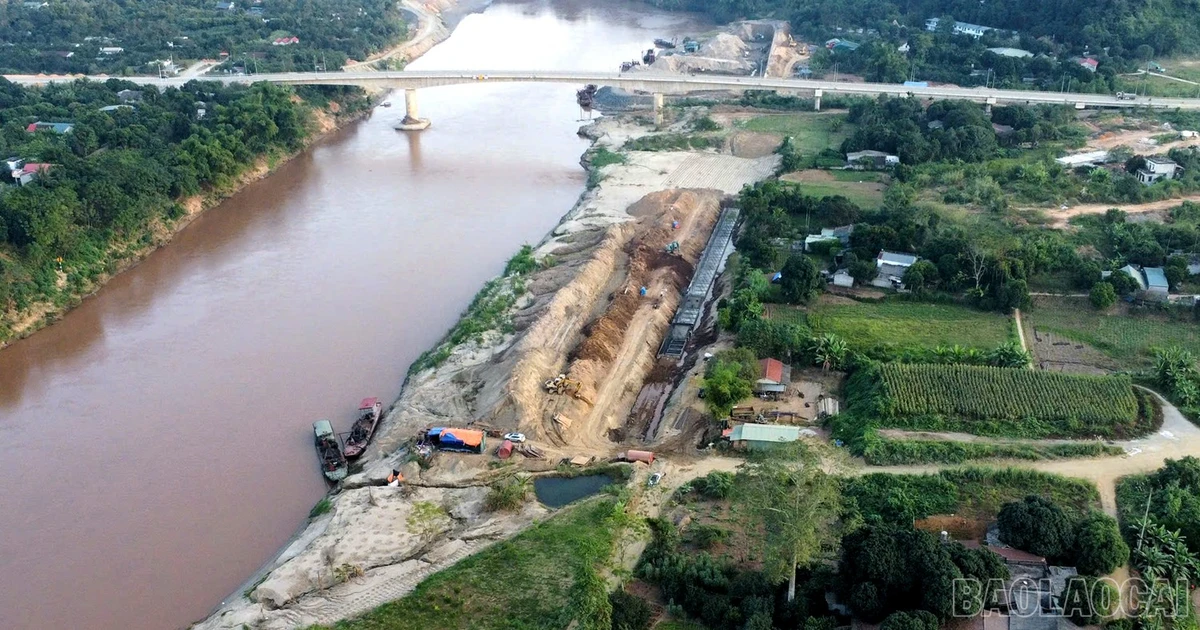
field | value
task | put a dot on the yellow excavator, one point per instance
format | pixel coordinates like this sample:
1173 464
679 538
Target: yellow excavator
566 387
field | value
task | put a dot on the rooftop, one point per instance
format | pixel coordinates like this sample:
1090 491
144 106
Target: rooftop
1011 52
764 433
1155 278
893 258
772 370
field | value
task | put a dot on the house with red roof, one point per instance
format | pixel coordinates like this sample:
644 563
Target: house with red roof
286 41
775 377
28 172
1087 63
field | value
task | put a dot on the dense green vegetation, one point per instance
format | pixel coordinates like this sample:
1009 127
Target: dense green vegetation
969 492
1160 516
118 174
40 38
1079 405
673 142
889 568
881 451
545 577
1120 35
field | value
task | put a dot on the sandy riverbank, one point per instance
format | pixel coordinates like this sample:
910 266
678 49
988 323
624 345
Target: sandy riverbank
579 314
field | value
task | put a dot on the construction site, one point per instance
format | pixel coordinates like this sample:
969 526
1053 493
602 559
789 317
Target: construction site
596 360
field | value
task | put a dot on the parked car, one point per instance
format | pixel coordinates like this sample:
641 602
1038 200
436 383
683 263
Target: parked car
515 438
655 478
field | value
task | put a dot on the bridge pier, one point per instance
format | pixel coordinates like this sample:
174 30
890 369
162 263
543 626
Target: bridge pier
817 100
987 105
658 109
412 117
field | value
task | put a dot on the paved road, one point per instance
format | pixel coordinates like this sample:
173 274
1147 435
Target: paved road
654 82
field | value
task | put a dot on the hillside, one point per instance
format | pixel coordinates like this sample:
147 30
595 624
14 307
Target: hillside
117 37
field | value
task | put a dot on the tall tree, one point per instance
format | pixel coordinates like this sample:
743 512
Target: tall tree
797 505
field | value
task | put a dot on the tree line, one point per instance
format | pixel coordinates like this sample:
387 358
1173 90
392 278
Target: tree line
66 36
117 172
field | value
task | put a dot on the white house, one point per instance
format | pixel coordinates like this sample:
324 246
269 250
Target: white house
960 28
111 50
891 267
1157 168
840 234
842 278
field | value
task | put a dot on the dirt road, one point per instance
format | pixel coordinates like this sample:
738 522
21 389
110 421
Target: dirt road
430 30
1059 218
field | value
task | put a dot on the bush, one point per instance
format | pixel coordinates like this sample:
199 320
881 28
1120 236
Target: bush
714 485
629 612
323 506
705 123
1088 601
1103 295
916 620
1099 548
1038 526
707 536
508 495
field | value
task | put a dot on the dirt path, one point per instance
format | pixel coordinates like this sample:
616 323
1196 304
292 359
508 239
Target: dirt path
967 438
430 30
1177 438
1059 218
1021 335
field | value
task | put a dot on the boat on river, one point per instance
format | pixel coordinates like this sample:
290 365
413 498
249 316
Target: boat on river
333 461
369 411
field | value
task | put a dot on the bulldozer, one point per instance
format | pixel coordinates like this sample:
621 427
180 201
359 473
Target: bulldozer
563 385
566 387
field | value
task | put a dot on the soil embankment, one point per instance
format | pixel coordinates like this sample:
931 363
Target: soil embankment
581 314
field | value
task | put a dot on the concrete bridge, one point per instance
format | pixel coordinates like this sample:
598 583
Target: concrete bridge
655 83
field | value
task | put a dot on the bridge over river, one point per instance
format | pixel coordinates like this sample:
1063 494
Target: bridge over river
655 83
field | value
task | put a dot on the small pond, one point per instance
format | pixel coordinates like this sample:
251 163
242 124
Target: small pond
555 492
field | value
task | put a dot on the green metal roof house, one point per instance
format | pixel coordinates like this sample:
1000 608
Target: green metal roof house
759 436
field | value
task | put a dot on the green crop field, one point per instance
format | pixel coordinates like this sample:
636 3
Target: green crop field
1126 338
811 131
910 324
998 401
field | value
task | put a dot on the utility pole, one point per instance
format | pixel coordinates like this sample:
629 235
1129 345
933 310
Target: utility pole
1145 518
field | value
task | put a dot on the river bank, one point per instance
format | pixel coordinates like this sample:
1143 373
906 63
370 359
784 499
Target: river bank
576 311
436 21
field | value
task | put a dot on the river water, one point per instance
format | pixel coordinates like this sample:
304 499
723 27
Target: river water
159 436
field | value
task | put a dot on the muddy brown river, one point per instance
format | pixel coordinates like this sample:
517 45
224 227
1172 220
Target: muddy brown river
158 439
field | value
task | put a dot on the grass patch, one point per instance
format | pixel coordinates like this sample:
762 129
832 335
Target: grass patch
673 142
322 507
972 492
602 156
902 324
488 311
882 451
545 577
1126 338
811 132
864 195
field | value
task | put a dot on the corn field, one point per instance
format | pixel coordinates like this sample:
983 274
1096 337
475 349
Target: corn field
992 393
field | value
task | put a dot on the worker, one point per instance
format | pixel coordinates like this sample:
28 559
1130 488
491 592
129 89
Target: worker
395 478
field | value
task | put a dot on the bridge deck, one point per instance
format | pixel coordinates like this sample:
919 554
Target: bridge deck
657 82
